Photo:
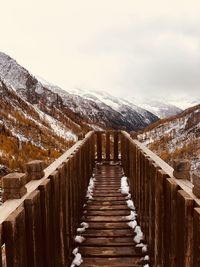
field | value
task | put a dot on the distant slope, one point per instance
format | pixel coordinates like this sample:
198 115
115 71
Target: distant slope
162 109
176 137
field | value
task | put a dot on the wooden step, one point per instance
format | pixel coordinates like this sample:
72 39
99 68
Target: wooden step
108 241
109 233
107 207
110 252
114 262
107 212
108 225
88 218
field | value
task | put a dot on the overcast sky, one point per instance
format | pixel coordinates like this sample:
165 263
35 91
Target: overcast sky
125 47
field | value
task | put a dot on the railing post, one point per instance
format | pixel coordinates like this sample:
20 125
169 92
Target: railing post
107 146
15 239
170 223
196 241
196 182
35 169
34 230
99 146
13 186
181 169
185 207
116 144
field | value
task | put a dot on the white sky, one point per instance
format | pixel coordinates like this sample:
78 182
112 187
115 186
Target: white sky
125 47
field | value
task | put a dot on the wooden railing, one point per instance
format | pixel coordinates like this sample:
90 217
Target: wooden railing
39 229
168 211
107 145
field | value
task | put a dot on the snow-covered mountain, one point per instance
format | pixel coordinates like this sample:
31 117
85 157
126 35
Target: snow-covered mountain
176 137
75 110
162 109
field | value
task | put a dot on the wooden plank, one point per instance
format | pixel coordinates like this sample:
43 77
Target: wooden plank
170 222
159 217
107 207
185 206
108 233
116 145
34 230
99 146
45 195
196 242
88 218
107 212
55 218
108 241
110 251
114 262
15 239
107 145
108 225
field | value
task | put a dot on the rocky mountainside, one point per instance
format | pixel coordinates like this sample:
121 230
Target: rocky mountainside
75 110
176 137
27 133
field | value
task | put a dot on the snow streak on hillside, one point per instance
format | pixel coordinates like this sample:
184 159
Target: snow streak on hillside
177 137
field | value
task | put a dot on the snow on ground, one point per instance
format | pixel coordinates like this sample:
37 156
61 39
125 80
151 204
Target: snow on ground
58 127
132 218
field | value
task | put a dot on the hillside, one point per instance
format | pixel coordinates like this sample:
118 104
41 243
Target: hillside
26 133
176 137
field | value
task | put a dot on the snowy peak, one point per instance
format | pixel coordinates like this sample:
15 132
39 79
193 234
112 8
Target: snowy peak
162 109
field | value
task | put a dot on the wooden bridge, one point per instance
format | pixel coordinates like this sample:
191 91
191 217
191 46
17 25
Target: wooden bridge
54 216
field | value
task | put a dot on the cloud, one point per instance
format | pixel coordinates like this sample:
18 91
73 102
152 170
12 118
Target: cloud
129 47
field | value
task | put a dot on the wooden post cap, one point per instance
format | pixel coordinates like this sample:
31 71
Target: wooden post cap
180 165
35 166
35 169
181 169
196 183
13 186
14 180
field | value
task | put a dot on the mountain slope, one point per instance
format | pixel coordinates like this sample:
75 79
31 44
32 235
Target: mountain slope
76 112
26 134
176 137
162 109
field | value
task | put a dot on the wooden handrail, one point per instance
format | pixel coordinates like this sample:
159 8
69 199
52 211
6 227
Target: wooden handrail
39 228
168 211
10 205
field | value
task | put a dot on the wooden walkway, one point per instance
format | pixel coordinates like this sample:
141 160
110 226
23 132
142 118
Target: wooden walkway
109 239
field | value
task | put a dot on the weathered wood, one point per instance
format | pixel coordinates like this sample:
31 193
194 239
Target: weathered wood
170 222
196 234
1 244
159 218
99 146
55 218
114 262
116 145
45 195
34 230
15 239
107 145
7 208
185 206
109 234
